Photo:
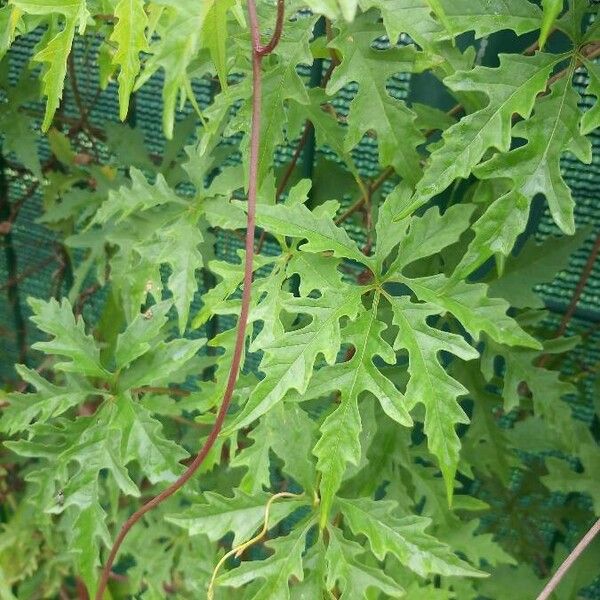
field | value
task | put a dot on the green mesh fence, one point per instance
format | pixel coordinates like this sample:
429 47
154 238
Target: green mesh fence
38 251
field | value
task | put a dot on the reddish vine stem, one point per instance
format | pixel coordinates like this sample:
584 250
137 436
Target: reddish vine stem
258 52
585 541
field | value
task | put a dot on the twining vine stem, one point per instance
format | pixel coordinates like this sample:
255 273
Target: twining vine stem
258 52
586 540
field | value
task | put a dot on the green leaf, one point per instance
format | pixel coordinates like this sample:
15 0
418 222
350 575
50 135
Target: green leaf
161 365
241 514
535 264
340 442
289 359
334 8
48 401
429 234
143 441
286 562
373 108
180 28
57 50
354 577
591 118
321 233
535 167
215 36
552 9
470 304
69 338
511 88
136 339
430 383
404 537
129 36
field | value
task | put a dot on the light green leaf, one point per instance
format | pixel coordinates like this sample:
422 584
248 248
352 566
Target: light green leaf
160 365
354 577
48 401
404 537
321 233
286 562
535 168
552 9
591 118
241 514
289 359
57 50
69 338
215 36
430 383
332 9
511 88
129 36
470 304
373 108
136 339
340 443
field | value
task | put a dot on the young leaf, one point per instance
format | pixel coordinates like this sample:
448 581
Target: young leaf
129 35
57 50
404 537
69 338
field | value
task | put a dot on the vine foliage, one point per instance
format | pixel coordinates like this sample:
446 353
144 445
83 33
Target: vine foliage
352 405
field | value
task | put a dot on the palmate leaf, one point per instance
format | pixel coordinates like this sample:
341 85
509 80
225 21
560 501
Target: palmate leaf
430 383
340 442
511 88
373 108
354 577
404 537
532 169
118 433
74 14
286 562
129 35
69 338
243 514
